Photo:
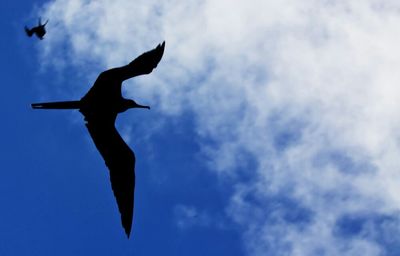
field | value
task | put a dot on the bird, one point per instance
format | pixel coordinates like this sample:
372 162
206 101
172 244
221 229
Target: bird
100 107
39 30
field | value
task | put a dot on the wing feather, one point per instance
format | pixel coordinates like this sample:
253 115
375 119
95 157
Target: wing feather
120 161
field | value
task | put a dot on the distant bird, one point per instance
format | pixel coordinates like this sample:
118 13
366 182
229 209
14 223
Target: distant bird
100 107
39 31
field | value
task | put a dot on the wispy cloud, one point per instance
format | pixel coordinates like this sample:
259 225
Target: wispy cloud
308 90
189 216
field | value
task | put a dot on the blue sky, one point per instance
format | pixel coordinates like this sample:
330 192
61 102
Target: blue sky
273 128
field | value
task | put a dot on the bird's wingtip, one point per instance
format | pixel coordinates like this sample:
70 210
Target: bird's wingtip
160 50
128 232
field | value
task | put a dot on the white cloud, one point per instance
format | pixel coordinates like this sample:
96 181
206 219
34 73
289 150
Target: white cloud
324 74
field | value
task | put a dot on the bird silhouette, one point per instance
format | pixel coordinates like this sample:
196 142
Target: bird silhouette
39 30
100 107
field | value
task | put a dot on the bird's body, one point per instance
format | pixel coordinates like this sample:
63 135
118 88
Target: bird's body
100 107
39 30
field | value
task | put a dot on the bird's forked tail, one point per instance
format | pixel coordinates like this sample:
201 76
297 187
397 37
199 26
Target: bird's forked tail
74 104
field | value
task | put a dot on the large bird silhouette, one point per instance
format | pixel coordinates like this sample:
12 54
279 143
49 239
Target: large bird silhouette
39 30
100 107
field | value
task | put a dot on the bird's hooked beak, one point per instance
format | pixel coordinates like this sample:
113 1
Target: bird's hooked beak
127 104
140 106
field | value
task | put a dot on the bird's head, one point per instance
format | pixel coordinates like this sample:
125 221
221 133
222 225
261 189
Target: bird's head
132 104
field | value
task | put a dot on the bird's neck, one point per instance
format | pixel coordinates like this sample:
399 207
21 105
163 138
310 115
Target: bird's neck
123 106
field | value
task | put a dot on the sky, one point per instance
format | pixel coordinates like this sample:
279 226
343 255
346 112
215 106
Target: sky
273 129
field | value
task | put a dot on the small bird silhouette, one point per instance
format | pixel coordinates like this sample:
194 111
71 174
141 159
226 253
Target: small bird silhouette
39 31
100 107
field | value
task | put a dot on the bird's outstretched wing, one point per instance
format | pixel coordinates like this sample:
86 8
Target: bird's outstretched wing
142 65
120 160
108 84
45 23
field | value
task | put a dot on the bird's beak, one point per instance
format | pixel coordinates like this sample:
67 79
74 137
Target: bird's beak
141 106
